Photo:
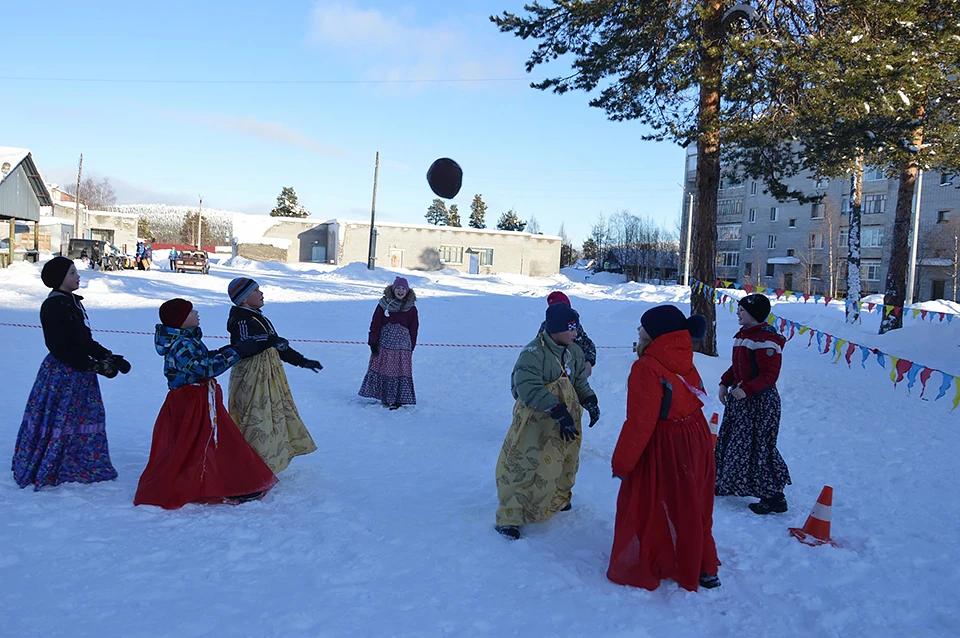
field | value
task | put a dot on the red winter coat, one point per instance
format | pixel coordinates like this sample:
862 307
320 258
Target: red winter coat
665 456
757 355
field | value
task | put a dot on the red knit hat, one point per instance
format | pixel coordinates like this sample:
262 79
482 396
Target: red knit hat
174 312
557 297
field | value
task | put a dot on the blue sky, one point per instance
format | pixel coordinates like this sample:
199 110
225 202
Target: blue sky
164 140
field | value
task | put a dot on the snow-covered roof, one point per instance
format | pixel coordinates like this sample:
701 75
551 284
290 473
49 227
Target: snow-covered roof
11 157
108 213
47 220
785 261
467 229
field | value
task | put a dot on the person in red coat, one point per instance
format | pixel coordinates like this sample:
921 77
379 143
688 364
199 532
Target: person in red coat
664 457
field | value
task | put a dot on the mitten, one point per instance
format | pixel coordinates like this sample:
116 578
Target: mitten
375 349
560 414
590 405
310 364
121 364
104 367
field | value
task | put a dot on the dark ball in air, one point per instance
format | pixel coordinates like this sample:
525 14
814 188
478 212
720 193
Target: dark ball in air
445 178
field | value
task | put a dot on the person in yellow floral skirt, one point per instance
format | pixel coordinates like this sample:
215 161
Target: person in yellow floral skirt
260 400
538 463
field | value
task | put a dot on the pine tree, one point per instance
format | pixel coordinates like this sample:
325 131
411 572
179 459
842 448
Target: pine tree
510 221
143 228
478 211
287 205
453 216
437 213
589 248
188 232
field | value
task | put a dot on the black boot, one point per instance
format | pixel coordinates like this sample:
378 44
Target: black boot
567 507
243 498
771 505
708 581
395 406
510 531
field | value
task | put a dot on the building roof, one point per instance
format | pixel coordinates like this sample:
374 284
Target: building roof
17 156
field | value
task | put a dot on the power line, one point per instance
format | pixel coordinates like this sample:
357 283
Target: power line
261 81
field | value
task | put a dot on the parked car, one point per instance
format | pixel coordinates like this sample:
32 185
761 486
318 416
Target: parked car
192 260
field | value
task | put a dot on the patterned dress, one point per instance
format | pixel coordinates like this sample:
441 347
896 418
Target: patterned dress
393 330
62 437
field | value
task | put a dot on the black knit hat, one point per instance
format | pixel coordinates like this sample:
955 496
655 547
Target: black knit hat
561 318
55 271
665 319
757 306
445 178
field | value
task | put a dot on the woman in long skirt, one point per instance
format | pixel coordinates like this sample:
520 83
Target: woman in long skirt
392 340
63 437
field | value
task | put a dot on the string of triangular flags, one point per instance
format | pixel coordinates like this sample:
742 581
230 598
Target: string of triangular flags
879 308
900 369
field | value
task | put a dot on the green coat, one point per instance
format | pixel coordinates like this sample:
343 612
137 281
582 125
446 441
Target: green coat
539 364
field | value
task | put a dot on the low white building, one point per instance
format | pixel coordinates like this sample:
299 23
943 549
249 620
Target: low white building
412 246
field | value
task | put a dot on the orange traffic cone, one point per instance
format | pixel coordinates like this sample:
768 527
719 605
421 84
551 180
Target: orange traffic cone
816 531
714 427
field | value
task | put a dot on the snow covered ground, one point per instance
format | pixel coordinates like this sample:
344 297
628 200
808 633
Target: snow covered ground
387 530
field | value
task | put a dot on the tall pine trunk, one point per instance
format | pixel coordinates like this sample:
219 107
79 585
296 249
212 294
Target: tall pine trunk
704 238
895 292
853 244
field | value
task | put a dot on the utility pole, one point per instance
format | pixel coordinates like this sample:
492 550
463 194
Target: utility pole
688 233
199 222
912 269
372 252
77 228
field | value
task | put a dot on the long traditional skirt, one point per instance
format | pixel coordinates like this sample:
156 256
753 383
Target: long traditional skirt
390 373
748 462
537 469
62 436
198 454
664 526
262 406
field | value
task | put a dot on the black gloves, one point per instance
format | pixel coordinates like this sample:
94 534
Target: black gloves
251 347
568 429
121 364
590 405
310 364
104 367
375 349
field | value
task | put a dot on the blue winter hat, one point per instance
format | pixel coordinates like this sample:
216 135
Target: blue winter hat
239 288
561 318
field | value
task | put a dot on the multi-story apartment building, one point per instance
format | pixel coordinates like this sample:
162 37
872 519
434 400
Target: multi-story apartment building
803 247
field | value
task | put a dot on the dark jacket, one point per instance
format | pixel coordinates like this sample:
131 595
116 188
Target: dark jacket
247 323
757 355
186 359
582 340
407 317
66 331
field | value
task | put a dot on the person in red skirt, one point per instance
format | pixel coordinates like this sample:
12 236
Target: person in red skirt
198 454
664 456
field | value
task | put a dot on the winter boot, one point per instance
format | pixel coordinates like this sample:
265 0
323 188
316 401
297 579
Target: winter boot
395 406
772 505
567 507
708 581
243 498
510 531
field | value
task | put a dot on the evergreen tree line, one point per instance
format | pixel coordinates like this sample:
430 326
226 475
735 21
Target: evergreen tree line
439 215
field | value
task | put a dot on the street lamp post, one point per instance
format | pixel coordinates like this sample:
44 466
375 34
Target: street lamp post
912 269
689 232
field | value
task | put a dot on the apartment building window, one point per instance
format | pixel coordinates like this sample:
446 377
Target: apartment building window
874 204
872 237
870 270
816 271
816 210
774 213
748 269
750 239
729 182
691 163
771 241
486 256
728 232
843 237
943 216
770 268
946 179
729 207
728 259
752 217
790 252
816 240
753 188
451 254
873 174
844 204
792 223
